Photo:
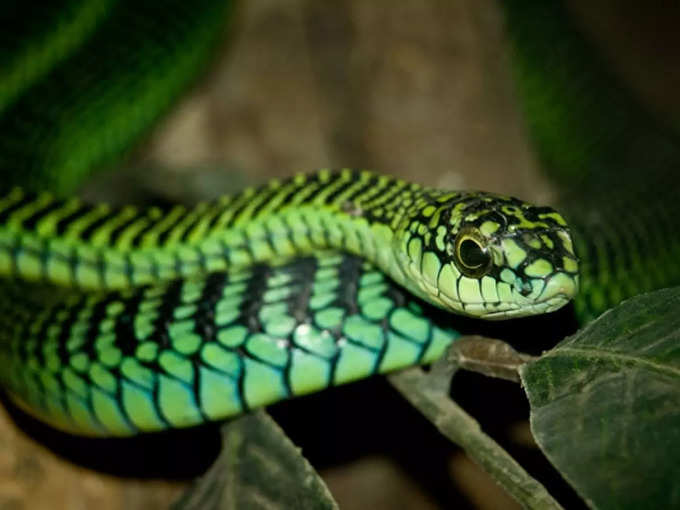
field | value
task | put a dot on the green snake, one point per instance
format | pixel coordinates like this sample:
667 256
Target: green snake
209 317
118 321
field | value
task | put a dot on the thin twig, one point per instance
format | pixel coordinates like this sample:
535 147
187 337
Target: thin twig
425 393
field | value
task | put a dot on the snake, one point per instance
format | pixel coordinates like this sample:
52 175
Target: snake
169 318
117 321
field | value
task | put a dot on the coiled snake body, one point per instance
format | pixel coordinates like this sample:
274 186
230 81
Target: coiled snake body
139 320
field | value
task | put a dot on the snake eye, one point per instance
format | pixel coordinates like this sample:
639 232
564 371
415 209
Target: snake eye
471 255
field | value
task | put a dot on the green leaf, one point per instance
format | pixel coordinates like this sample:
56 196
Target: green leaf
605 405
258 468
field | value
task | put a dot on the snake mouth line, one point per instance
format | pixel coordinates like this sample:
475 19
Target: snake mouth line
505 309
549 305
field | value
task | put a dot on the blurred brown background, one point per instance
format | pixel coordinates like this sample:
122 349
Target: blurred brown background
418 89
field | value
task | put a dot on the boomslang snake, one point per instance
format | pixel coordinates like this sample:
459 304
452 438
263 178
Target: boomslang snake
183 316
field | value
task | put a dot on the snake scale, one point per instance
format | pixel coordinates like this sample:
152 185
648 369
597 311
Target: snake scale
210 314
128 320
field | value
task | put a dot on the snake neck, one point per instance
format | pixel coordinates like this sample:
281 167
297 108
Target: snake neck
96 247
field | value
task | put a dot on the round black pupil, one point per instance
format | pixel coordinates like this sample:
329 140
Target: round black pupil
472 255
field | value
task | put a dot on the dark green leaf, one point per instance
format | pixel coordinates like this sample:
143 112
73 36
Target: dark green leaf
258 468
605 405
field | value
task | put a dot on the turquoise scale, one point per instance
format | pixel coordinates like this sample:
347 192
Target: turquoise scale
186 352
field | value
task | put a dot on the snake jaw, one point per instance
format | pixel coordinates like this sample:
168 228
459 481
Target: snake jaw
556 293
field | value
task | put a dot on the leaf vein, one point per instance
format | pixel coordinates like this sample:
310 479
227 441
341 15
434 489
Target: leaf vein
614 356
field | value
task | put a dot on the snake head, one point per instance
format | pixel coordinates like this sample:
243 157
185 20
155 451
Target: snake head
488 256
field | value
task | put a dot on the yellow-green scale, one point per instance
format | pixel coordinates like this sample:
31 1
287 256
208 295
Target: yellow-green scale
118 248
